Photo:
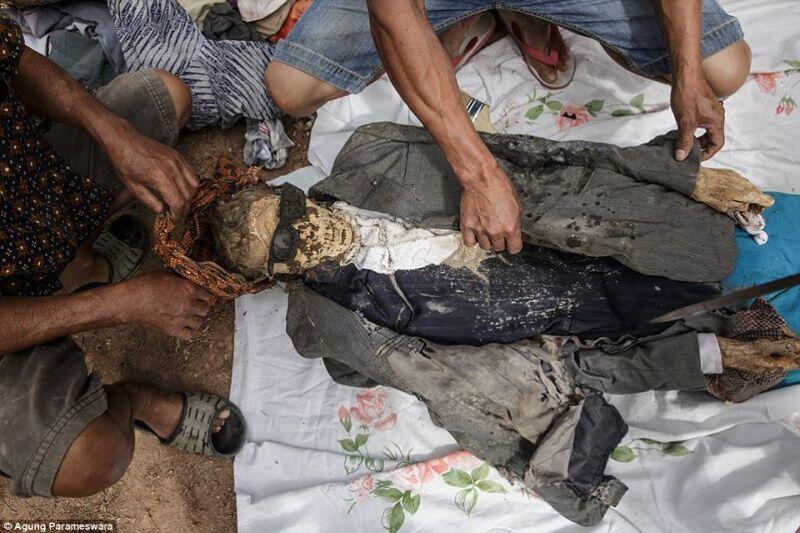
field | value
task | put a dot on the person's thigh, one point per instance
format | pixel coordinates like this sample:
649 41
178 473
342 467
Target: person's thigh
630 27
140 97
332 40
47 398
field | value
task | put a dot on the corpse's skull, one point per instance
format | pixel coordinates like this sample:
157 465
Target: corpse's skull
244 228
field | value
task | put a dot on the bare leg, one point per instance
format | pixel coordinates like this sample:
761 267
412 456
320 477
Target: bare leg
102 452
726 71
536 33
300 94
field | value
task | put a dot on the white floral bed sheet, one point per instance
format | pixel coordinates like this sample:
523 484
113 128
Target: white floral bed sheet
321 457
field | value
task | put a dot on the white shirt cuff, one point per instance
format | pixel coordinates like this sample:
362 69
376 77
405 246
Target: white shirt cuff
710 354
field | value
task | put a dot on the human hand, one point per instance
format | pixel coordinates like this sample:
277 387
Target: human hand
165 302
154 173
761 355
490 214
695 105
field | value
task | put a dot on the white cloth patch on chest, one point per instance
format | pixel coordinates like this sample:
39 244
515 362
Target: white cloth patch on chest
387 244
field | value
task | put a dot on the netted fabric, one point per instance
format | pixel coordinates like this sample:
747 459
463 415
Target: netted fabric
192 253
759 321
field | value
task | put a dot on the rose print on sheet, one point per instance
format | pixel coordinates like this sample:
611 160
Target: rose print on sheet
403 488
371 410
371 413
567 115
767 81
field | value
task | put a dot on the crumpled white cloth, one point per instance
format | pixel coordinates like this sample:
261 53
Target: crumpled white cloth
753 224
252 10
266 144
387 244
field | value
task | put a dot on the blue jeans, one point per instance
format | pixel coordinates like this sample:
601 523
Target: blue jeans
332 41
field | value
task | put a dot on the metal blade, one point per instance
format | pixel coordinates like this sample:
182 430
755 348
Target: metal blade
728 299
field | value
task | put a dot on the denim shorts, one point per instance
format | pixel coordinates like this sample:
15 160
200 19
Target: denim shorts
332 41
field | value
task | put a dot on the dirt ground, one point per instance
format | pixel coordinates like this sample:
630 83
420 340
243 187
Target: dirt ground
164 490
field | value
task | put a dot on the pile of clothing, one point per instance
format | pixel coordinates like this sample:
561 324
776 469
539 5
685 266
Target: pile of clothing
247 20
79 36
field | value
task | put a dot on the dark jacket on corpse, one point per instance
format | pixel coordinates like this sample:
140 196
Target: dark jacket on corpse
599 200
539 291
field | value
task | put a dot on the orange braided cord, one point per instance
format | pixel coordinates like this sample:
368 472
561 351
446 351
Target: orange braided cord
194 241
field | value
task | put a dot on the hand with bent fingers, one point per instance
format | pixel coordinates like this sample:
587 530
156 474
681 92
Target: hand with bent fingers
154 173
695 105
167 303
490 215
761 355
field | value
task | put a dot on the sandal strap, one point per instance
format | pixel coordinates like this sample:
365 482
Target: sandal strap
123 258
551 59
193 433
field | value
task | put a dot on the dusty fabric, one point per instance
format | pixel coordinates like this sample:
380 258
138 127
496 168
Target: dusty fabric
387 244
524 406
47 397
508 298
633 204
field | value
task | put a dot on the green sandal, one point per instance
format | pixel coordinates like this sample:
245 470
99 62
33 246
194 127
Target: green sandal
193 433
124 244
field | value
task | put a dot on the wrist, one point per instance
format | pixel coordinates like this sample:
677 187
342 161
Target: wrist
478 172
107 130
123 307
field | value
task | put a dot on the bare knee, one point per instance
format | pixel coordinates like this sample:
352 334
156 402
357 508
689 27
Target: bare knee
180 94
728 69
298 93
96 460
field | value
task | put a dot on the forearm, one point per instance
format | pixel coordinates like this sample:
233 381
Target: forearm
25 322
681 23
47 90
421 72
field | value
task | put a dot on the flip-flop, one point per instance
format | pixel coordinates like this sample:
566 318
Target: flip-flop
475 39
193 432
531 54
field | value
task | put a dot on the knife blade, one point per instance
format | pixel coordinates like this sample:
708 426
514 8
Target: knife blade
729 299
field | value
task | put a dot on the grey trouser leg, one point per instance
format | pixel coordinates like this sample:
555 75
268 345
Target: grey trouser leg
513 405
668 361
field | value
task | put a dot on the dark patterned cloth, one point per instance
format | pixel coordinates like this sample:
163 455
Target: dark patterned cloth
46 210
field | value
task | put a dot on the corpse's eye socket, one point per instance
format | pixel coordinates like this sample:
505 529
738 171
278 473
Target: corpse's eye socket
286 238
293 203
284 244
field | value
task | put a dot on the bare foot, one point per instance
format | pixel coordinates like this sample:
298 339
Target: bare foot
161 410
535 32
87 267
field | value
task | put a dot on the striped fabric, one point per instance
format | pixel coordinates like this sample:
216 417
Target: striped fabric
226 77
